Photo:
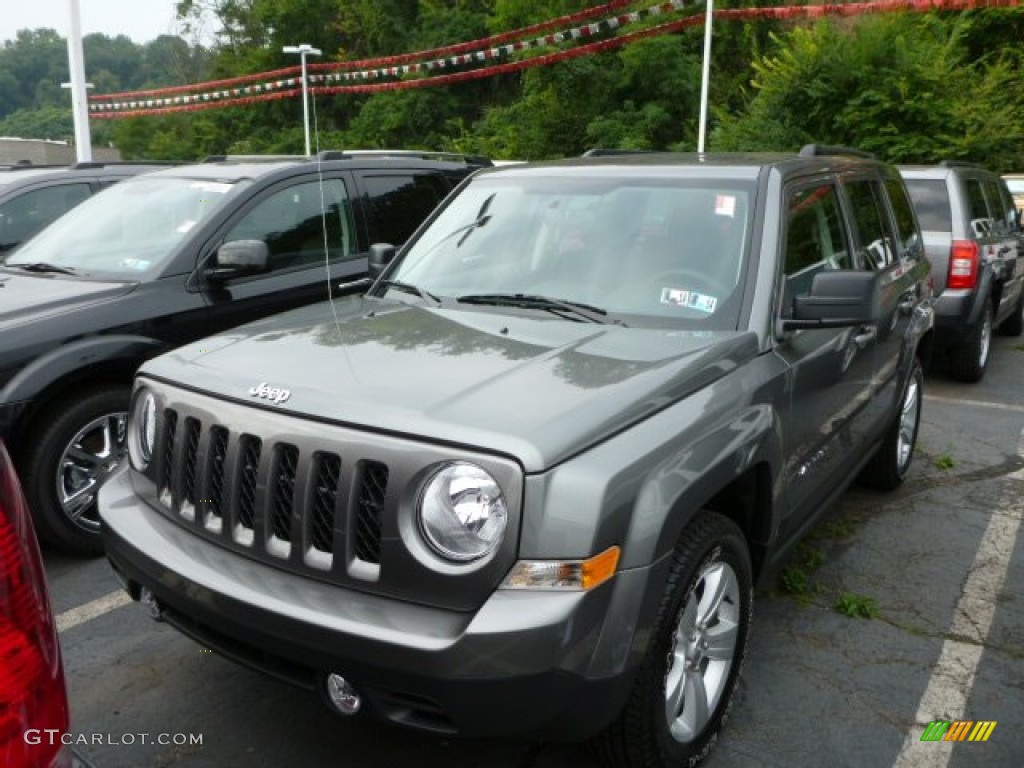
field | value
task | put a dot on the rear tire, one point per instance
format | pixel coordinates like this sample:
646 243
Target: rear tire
683 691
968 362
72 452
887 469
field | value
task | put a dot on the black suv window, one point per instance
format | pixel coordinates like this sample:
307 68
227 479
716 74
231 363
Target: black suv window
26 214
867 200
977 209
291 224
931 199
814 240
399 203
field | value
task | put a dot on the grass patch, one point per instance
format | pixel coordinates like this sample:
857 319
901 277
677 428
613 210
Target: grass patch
856 606
945 462
1019 347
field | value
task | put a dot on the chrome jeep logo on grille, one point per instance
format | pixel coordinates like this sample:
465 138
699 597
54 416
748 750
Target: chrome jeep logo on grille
273 394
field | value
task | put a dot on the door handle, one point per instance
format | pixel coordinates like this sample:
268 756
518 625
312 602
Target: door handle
865 337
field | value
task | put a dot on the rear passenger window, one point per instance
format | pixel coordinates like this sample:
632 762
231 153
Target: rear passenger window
814 240
399 203
1000 222
931 201
871 222
906 224
977 210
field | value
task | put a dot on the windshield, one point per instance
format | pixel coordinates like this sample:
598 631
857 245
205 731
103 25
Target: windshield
663 251
125 231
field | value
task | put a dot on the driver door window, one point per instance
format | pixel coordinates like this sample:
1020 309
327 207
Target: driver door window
299 222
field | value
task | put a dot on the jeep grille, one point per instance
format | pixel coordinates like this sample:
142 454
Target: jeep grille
265 515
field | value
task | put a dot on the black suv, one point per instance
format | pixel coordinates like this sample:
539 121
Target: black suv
527 482
163 259
33 196
973 238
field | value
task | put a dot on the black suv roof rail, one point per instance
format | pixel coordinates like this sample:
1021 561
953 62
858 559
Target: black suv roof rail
422 154
250 158
85 165
823 150
610 152
959 164
348 154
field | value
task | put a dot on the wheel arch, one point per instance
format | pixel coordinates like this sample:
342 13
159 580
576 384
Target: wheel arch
55 376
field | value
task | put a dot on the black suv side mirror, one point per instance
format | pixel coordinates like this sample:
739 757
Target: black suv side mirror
838 299
381 254
239 258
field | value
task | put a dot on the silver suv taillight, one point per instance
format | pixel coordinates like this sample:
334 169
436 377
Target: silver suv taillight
32 692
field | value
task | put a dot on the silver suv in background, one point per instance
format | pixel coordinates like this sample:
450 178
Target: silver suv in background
973 238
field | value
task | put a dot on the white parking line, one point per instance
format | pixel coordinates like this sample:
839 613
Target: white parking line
977 403
91 610
952 678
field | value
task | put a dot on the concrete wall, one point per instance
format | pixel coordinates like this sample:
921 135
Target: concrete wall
40 152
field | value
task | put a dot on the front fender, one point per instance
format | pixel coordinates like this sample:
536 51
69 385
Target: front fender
70 359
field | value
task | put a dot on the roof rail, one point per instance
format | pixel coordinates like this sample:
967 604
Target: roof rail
250 158
959 164
819 150
85 165
609 152
422 154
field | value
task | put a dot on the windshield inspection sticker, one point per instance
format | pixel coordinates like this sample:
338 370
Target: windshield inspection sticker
691 299
136 264
725 205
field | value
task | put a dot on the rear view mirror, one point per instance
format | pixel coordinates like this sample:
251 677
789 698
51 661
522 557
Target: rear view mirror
838 299
239 258
381 254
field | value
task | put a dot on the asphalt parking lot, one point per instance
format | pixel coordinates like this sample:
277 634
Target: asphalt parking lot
936 570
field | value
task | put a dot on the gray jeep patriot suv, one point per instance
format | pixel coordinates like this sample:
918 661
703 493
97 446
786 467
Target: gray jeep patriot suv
528 481
973 239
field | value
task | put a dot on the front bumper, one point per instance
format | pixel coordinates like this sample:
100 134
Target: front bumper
525 662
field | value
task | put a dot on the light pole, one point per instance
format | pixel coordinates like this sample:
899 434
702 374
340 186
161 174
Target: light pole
79 105
78 154
304 50
705 78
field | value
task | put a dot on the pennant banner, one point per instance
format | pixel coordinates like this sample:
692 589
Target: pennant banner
388 78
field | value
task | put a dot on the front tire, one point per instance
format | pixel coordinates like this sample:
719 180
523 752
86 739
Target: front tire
683 692
887 469
73 451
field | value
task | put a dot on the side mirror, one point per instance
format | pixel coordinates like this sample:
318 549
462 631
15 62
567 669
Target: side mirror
381 254
838 299
240 258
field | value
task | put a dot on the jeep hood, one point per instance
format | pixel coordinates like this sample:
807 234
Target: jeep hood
537 388
25 298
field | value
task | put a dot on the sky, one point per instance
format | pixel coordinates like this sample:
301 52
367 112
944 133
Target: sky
141 20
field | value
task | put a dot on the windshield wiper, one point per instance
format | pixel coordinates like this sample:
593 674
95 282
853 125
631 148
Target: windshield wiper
415 290
42 266
560 307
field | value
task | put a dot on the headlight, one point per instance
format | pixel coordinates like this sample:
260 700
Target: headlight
142 437
463 512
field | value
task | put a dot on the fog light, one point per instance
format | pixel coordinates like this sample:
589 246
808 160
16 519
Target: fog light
342 695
